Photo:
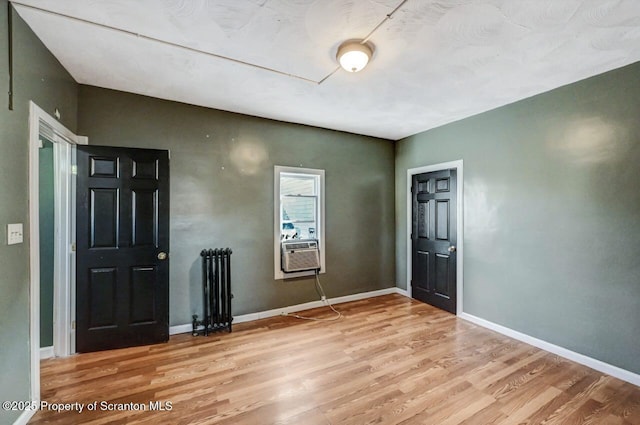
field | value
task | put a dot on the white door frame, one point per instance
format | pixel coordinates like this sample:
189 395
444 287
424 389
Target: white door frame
64 256
458 165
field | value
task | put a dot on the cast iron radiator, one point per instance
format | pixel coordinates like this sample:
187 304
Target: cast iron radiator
216 292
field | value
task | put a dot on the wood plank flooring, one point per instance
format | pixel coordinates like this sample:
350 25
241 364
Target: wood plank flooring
390 360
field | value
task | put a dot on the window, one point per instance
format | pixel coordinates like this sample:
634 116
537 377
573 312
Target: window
298 212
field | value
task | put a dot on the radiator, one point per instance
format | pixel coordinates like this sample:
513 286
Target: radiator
216 292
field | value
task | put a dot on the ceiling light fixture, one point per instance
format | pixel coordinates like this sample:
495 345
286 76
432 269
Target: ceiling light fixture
354 55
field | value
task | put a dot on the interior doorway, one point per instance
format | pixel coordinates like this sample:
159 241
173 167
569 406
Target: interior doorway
48 230
434 238
447 168
46 132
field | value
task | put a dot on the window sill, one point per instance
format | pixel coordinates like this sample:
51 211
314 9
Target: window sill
280 275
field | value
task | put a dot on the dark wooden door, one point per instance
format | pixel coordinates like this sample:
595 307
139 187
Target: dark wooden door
122 275
433 237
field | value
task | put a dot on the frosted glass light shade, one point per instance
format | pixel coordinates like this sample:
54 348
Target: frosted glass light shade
353 55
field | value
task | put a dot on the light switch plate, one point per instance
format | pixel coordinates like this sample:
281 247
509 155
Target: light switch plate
14 233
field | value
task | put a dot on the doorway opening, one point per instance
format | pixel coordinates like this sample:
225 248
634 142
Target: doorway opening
458 167
59 266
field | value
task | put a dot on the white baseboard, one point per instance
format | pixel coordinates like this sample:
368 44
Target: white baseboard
598 365
402 292
46 353
178 329
23 419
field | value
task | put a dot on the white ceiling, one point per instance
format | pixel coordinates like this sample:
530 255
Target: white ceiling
435 61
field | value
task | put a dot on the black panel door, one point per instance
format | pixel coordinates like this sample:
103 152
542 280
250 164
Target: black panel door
122 275
433 237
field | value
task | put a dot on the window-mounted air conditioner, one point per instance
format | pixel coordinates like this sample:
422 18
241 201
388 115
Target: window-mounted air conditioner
300 255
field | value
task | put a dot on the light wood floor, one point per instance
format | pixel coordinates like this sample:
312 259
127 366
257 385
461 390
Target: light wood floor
390 360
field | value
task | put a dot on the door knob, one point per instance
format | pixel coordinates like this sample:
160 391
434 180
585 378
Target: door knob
452 248
162 255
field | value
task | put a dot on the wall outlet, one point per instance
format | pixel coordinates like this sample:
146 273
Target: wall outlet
14 233
323 298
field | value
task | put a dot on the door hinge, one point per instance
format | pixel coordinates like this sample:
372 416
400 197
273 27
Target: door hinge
74 170
73 324
73 247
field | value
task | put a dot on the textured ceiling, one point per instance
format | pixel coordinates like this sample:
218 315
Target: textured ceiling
435 61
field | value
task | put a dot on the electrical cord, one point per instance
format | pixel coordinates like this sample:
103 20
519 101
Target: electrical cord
323 297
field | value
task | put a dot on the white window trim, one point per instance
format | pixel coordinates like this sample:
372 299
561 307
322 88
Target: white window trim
278 170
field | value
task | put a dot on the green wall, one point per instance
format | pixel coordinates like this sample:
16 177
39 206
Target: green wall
47 235
551 213
39 77
222 195
551 203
